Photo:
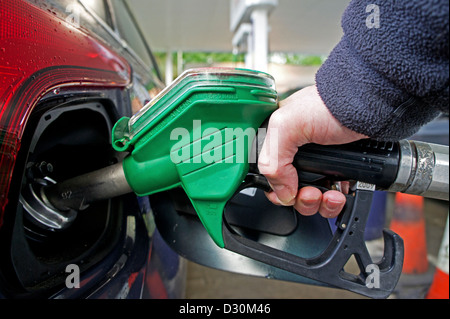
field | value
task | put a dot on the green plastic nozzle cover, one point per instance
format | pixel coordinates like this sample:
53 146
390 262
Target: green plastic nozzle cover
197 134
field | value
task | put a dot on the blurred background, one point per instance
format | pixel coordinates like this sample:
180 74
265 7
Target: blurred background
288 38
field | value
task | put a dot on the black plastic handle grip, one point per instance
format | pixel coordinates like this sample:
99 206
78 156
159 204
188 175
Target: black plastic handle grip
367 161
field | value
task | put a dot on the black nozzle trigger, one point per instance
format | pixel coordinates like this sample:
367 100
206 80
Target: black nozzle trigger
375 280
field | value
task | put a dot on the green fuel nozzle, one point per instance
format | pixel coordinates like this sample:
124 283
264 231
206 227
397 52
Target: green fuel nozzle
197 134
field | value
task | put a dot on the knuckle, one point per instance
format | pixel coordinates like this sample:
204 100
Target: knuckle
276 119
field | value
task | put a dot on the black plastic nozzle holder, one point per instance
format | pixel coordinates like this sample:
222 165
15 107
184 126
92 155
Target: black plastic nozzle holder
376 280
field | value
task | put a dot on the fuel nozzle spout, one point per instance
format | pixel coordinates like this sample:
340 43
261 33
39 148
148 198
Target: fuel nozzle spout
77 193
54 206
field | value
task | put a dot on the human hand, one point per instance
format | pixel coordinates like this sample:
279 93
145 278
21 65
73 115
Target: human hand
301 118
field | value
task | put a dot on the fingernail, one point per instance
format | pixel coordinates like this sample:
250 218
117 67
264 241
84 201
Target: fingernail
309 203
333 205
284 194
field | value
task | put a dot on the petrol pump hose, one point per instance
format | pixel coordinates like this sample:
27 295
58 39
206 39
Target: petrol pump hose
198 134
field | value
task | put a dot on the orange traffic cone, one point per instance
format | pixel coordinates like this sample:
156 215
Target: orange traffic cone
439 288
409 223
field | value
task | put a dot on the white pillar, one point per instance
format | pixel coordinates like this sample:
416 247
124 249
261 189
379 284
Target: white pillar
169 67
249 60
260 22
179 62
243 39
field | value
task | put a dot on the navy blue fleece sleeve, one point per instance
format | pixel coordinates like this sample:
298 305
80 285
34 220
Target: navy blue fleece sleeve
388 77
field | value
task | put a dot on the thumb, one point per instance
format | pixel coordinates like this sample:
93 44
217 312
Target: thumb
275 163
